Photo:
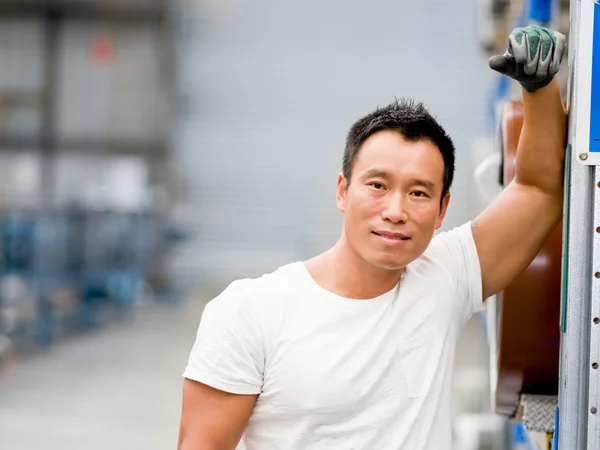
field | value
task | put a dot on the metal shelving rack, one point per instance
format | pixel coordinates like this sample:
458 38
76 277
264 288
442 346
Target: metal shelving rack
54 14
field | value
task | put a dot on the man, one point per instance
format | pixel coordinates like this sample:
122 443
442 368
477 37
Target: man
354 348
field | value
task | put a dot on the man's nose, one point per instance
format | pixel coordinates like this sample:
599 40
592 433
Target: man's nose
395 210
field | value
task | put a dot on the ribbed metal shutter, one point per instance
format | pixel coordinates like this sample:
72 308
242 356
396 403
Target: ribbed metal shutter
271 89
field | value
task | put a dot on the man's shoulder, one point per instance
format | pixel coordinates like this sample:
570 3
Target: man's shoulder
444 247
263 290
457 235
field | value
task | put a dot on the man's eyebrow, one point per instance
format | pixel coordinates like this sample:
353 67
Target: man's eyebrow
425 183
377 173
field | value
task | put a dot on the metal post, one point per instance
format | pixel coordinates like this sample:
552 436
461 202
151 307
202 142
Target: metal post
52 25
593 431
579 393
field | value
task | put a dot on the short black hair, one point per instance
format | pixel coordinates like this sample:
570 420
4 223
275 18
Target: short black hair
413 122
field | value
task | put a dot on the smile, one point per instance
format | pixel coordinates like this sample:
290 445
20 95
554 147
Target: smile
392 238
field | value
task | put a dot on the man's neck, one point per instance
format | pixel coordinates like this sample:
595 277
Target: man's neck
341 271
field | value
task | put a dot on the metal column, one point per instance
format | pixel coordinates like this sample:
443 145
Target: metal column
579 390
52 28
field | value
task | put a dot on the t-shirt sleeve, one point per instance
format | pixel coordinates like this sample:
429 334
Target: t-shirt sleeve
455 250
228 351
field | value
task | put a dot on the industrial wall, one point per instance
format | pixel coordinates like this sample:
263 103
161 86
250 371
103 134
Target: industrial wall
270 88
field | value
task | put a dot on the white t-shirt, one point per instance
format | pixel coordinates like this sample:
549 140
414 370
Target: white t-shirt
337 373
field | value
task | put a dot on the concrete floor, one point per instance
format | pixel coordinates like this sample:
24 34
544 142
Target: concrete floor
118 388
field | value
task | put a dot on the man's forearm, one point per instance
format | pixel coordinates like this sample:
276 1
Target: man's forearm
513 228
541 149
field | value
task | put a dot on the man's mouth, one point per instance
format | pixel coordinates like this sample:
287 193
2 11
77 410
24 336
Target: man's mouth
389 235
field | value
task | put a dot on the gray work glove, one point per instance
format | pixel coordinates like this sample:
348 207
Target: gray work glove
533 56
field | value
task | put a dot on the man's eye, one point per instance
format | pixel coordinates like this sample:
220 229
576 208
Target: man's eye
377 185
420 194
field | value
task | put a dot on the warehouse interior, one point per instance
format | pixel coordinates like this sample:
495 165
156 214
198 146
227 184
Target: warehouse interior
153 151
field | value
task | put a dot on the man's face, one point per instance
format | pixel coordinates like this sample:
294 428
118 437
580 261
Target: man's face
392 205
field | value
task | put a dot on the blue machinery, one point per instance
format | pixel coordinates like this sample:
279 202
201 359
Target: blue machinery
64 271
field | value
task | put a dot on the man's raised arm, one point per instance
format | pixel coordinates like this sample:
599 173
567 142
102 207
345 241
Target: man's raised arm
511 231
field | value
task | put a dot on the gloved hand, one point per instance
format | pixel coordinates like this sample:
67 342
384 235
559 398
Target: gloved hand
533 56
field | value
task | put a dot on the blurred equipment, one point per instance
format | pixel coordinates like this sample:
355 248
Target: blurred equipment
89 77
529 341
479 431
71 269
8 355
86 182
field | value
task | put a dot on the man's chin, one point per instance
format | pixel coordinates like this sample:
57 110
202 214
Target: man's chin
391 266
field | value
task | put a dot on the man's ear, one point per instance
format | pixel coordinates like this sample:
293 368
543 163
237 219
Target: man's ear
443 209
342 189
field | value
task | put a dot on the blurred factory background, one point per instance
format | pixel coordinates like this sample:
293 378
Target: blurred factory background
152 151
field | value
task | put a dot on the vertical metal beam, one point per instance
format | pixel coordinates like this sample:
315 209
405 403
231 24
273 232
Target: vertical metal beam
52 25
578 425
593 431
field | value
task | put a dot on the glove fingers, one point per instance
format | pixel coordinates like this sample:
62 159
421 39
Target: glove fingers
533 51
559 49
519 50
533 56
544 65
547 52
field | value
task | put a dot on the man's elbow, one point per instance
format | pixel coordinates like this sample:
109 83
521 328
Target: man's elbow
193 440
202 438
548 198
550 186
197 442
187 444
